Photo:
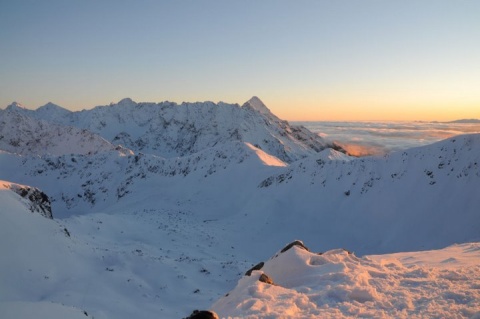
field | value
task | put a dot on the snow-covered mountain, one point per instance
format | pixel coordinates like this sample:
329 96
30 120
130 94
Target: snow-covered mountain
25 135
79 182
171 130
167 234
426 196
49 112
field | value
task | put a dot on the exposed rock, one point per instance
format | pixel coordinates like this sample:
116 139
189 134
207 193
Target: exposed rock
202 314
298 243
256 267
264 278
38 201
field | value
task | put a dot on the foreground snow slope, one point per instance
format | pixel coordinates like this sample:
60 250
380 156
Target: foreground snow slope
337 284
166 261
36 260
138 264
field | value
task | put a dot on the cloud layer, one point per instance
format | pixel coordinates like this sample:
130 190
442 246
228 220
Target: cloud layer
379 138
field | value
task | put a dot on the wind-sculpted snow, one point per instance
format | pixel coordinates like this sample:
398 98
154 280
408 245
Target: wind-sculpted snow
170 130
27 136
337 284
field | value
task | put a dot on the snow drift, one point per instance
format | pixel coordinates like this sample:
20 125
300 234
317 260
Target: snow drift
337 284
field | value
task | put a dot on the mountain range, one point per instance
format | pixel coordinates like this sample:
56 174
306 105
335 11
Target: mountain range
170 130
153 203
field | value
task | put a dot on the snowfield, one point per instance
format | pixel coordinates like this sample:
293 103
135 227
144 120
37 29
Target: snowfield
170 219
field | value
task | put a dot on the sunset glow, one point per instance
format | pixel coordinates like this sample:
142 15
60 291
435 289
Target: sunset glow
322 60
372 112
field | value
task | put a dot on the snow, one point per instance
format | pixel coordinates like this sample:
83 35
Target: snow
122 265
267 159
51 111
256 104
140 235
337 284
143 264
41 309
16 106
28 136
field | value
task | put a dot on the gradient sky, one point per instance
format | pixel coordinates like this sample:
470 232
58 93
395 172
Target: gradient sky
307 60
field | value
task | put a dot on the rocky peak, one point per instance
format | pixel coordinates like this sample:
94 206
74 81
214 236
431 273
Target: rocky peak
256 104
52 106
126 102
15 106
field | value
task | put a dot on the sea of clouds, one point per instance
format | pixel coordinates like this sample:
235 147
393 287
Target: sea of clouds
379 138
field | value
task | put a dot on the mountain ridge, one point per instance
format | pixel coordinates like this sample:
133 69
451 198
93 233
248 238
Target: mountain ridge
169 130
25 135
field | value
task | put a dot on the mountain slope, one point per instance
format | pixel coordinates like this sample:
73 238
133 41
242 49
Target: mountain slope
417 199
78 183
25 135
49 112
138 262
34 199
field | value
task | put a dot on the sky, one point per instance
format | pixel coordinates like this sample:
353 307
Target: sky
307 60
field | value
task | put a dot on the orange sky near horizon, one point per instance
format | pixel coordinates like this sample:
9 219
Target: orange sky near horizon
370 111
333 109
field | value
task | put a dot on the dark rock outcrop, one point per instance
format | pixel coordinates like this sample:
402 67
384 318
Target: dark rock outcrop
266 279
202 314
37 200
256 267
298 243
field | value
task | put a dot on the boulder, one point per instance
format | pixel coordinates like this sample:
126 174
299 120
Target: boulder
203 314
264 278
